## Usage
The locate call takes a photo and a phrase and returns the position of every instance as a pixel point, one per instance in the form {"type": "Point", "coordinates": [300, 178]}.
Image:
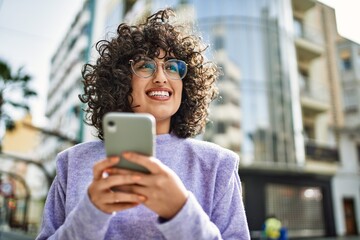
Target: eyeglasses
{"type": "Point", "coordinates": [146, 67]}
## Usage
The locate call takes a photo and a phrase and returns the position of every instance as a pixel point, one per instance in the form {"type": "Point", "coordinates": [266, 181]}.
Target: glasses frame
{"type": "Point", "coordinates": [132, 62]}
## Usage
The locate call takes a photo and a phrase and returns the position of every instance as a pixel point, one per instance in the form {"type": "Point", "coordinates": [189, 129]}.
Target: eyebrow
{"type": "Point", "coordinates": [166, 58]}
{"type": "Point", "coordinates": [169, 57]}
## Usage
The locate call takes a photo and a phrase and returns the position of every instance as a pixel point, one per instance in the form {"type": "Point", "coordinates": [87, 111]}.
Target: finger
{"type": "Point", "coordinates": [113, 208]}
{"type": "Point", "coordinates": [134, 189]}
{"type": "Point", "coordinates": [116, 180]}
{"type": "Point", "coordinates": [121, 171]}
{"type": "Point", "coordinates": [145, 179]}
{"type": "Point", "coordinates": [151, 163]}
{"type": "Point", "coordinates": [114, 197]}
{"type": "Point", "coordinates": [100, 166]}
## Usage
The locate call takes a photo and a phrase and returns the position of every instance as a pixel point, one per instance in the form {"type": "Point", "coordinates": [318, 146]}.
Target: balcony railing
{"type": "Point", "coordinates": [307, 32]}
{"type": "Point", "coordinates": [314, 90]}
{"type": "Point", "coordinates": [321, 152]}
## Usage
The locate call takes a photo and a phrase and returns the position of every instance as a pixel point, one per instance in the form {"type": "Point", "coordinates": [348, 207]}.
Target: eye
{"type": "Point", "coordinates": [172, 67]}
{"type": "Point", "coordinates": [145, 66]}
{"type": "Point", "coordinates": [148, 65]}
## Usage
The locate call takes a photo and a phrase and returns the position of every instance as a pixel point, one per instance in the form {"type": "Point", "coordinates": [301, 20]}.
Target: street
{"type": "Point", "coordinates": [18, 236]}
{"type": "Point", "coordinates": [14, 236]}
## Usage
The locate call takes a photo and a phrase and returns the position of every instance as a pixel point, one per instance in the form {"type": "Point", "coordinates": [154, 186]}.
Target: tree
{"type": "Point", "coordinates": [14, 93]}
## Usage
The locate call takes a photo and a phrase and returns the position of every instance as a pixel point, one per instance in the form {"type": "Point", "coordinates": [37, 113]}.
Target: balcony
{"type": "Point", "coordinates": [321, 158]}
{"type": "Point", "coordinates": [309, 42]}
{"type": "Point", "coordinates": [321, 152]}
{"type": "Point", "coordinates": [313, 96]}
{"type": "Point", "coordinates": [302, 5]}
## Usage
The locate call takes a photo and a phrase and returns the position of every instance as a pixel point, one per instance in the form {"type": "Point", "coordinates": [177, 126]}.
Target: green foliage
{"type": "Point", "coordinates": [13, 84]}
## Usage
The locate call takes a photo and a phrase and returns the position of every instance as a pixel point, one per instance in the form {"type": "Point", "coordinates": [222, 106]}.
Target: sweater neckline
{"type": "Point", "coordinates": [166, 139]}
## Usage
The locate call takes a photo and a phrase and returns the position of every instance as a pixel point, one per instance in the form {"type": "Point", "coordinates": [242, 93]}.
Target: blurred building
{"type": "Point", "coordinates": [349, 63]}
{"type": "Point", "coordinates": [96, 20]}
{"type": "Point", "coordinates": [17, 141]}
{"type": "Point", "coordinates": [63, 109]}
{"type": "Point", "coordinates": [23, 182]}
{"type": "Point", "coordinates": [288, 95]}
{"type": "Point", "coordinates": [281, 105]}
{"type": "Point", "coordinates": [347, 180]}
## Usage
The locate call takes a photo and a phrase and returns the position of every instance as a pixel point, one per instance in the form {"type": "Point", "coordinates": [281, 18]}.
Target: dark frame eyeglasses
{"type": "Point", "coordinates": [145, 67]}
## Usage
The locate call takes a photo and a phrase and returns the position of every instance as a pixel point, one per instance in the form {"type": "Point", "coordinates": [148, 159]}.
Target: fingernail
{"type": "Point", "coordinates": [142, 198]}
{"type": "Point", "coordinates": [105, 174]}
{"type": "Point", "coordinates": [136, 178]}
{"type": "Point", "coordinates": [126, 154]}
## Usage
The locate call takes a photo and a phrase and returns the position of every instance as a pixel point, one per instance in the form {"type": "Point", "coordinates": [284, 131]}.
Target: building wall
{"type": "Point", "coordinates": [27, 179]}
{"type": "Point", "coordinates": [346, 183]}
{"type": "Point", "coordinates": [22, 139]}
{"type": "Point", "coordinates": [251, 43]}
{"type": "Point", "coordinates": [348, 63]}
{"type": "Point", "coordinates": [63, 109]}
{"type": "Point", "coordinates": [333, 76]}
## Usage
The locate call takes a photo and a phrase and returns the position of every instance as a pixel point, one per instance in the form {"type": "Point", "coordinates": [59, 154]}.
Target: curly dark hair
{"type": "Point", "coordinates": [107, 84]}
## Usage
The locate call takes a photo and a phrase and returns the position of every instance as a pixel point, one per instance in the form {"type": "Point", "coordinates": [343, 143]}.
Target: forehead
{"type": "Point", "coordinates": [162, 54]}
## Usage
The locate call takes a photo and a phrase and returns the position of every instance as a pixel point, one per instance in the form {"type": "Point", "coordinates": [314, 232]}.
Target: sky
{"type": "Point", "coordinates": [31, 31]}
{"type": "Point", "coordinates": [347, 17]}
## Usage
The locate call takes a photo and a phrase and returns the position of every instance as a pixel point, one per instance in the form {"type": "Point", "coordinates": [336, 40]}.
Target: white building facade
{"type": "Point", "coordinates": [346, 183]}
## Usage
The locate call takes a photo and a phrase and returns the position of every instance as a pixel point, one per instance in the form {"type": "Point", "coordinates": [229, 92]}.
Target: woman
{"type": "Point", "coordinates": [193, 190]}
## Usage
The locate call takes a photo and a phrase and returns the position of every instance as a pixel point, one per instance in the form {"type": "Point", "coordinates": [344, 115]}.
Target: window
{"type": "Point", "coordinates": [221, 127]}
{"type": "Point", "coordinates": [72, 43]}
{"type": "Point", "coordinates": [298, 27]}
{"type": "Point", "coordinates": [222, 69]}
{"type": "Point", "coordinates": [218, 42]}
{"type": "Point", "coordinates": [128, 5]}
{"type": "Point", "coordinates": [350, 100]}
{"type": "Point", "coordinates": [83, 55]}
{"type": "Point", "coordinates": [85, 30]}
{"type": "Point", "coordinates": [309, 132]}
{"type": "Point", "coordinates": [304, 80]}
{"type": "Point", "coordinates": [346, 63]}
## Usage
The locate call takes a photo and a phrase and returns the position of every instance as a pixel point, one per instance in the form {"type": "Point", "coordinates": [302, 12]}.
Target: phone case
{"type": "Point", "coordinates": [129, 132]}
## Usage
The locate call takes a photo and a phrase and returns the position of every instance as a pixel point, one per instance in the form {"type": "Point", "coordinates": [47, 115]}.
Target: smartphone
{"type": "Point", "coordinates": [133, 132]}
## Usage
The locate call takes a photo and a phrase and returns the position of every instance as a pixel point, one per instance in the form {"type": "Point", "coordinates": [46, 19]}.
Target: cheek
{"type": "Point", "coordinates": [137, 88]}
{"type": "Point", "coordinates": [181, 90]}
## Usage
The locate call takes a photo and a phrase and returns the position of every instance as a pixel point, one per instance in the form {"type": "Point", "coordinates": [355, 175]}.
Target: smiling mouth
{"type": "Point", "coordinates": [159, 94]}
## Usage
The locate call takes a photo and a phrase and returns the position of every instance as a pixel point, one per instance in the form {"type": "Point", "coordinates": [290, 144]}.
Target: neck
{"type": "Point", "coordinates": [162, 127]}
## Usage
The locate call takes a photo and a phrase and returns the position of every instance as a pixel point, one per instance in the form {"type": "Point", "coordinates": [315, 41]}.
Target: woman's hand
{"type": "Point", "coordinates": [165, 193]}
{"type": "Point", "coordinates": [100, 192]}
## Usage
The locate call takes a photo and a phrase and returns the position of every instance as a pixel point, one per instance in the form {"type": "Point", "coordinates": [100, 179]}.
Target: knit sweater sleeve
{"type": "Point", "coordinates": [85, 221]}
{"type": "Point", "coordinates": [229, 214]}
{"type": "Point", "coordinates": [227, 220]}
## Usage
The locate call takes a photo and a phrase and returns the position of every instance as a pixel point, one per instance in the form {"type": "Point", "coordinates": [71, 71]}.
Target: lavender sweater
{"type": "Point", "coordinates": [214, 209]}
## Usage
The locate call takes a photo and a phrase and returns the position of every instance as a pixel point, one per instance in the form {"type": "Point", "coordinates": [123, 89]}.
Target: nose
{"type": "Point", "coordinates": [160, 76]}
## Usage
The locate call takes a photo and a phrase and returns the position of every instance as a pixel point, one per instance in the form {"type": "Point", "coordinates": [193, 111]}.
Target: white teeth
{"type": "Point", "coordinates": [159, 94]}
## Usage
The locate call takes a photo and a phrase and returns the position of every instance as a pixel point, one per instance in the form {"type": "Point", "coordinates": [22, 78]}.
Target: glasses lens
{"type": "Point", "coordinates": [144, 67]}
{"type": "Point", "coordinates": [175, 69]}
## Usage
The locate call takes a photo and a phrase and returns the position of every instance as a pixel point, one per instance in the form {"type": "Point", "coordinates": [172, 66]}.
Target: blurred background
{"type": "Point", "coordinates": [289, 105]}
